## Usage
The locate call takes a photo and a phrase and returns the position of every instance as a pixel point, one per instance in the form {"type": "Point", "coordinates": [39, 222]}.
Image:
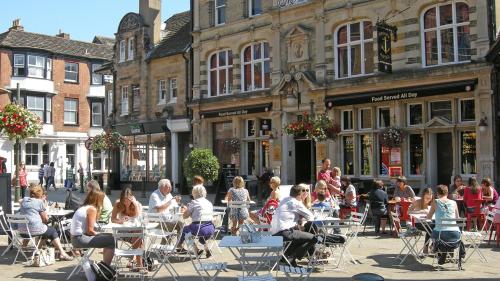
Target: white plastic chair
{"type": "Point", "coordinates": [25, 243]}
{"type": "Point", "coordinates": [123, 249]}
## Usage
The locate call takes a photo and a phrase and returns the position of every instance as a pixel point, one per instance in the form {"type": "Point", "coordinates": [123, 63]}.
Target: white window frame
{"type": "Point", "coordinates": [353, 151]}
{"type": "Point", "coordinates": [18, 65]}
{"type": "Point", "coordinates": [460, 110]}
{"type": "Point", "coordinates": [429, 110]}
{"type": "Point", "coordinates": [360, 121]}
{"type": "Point", "coordinates": [251, 4]}
{"type": "Point", "coordinates": [360, 42]}
{"type": "Point", "coordinates": [71, 111]}
{"type": "Point", "coordinates": [162, 91]}
{"type": "Point", "coordinates": [408, 114]}
{"type": "Point", "coordinates": [71, 71]}
{"type": "Point", "coordinates": [408, 148]}
{"type": "Point", "coordinates": [37, 154]}
{"type": "Point", "coordinates": [48, 71]}
{"type": "Point", "coordinates": [122, 51]}
{"type": "Point", "coordinates": [173, 87]}
{"type": "Point", "coordinates": [97, 114]}
{"type": "Point", "coordinates": [360, 151]}
{"type": "Point", "coordinates": [218, 69]}
{"type": "Point", "coordinates": [39, 66]}
{"type": "Point", "coordinates": [252, 63]}
{"type": "Point", "coordinates": [110, 102]}
{"type": "Point", "coordinates": [125, 93]}
{"type": "Point", "coordinates": [101, 156]}
{"type": "Point", "coordinates": [378, 116]}
{"type": "Point", "coordinates": [48, 110]}
{"type": "Point", "coordinates": [131, 49]}
{"type": "Point", "coordinates": [342, 120]}
{"type": "Point", "coordinates": [216, 9]}
{"type": "Point", "coordinates": [96, 78]}
{"type": "Point", "coordinates": [438, 29]}
{"type": "Point", "coordinates": [33, 105]}
{"type": "Point", "coordinates": [73, 155]}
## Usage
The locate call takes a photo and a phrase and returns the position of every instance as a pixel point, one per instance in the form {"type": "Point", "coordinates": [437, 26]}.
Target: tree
{"type": "Point", "coordinates": [201, 162]}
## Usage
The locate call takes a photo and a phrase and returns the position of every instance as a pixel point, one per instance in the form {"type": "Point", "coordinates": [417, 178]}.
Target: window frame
{"type": "Point", "coordinates": [72, 154]}
{"type": "Point", "coordinates": [121, 50]}
{"type": "Point", "coordinates": [131, 48]}
{"type": "Point", "coordinates": [109, 102]}
{"type": "Point", "coordinates": [408, 114]}
{"type": "Point", "coordinates": [251, 4]}
{"type": "Point", "coordinates": [31, 155]}
{"type": "Point", "coordinates": [216, 14]}
{"type": "Point", "coordinates": [36, 109]}
{"type": "Point", "coordinates": [77, 72]}
{"type": "Point", "coordinates": [48, 68]}
{"type": "Point", "coordinates": [438, 29]}
{"type": "Point", "coordinates": [162, 91]}
{"type": "Point", "coordinates": [361, 42]}
{"type": "Point", "coordinates": [100, 157]}
{"type": "Point", "coordinates": [461, 154]}
{"type": "Point", "coordinates": [360, 120]}
{"type": "Point", "coordinates": [429, 109]}
{"type": "Point", "coordinates": [342, 119]}
{"type": "Point", "coordinates": [342, 149]}
{"type": "Point", "coordinates": [408, 147]}
{"type": "Point", "coordinates": [228, 68]}
{"type": "Point", "coordinates": [76, 112]}
{"type": "Point", "coordinates": [247, 128]}
{"type": "Point", "coordinates": [171, 83]}
{"type": "Point", "coordinates": [262, 60]}
{"type": "Point", "coordinates": [378, 116]}
{"type": "Point", "coordinates": [17, 66]}
{"type": "Point", "coordinates": [92, 114]}
{"type": "Point", "coordinates": [29, 66]}
{"type": "Point", "coordinates": [94, 66]}
{"type": "Point", "coordinates": [360, 151]}
{"type": "Point", "coordinates": [124, 110]}
{"type": "Point", "coordinates": [460, 110]}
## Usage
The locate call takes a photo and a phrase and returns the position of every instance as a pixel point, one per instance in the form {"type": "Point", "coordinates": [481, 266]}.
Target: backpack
{"type": "Point", "coordinates": [103, 272]}
{"type": "Point", "coordinates": [72, 201]}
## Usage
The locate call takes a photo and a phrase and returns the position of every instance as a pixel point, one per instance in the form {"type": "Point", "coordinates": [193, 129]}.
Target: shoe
{"type": "Point", "coordinates": [181, 251]}
{"type": "Point", "coordinates": [65, 258]}
{"type": "Point", "coordinates": [293, 263]}
{"type": "Point", "coordinates": [199, 253]}
{"type": "Point", "coordinates": [208, 254]}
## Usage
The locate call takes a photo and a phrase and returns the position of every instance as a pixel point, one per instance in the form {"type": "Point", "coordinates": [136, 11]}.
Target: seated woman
{"type": "Point", "coordinates": [33, 208]}
{"type": "Point", "coordinates": [195, 209]}
{"type": "Point", "coordinates": [444, 208]}
{"type": "Point", "coordinates": [83, 233]}
{"type": "Point", "coordinates": [238, 193]}
{"type": "Point", "coordinates": [266, 213]}
{"type": "Point", "coordinates": [126, 209]}
{"type": "Point", "coordinates": [489, 192]}
{"type": "Point", "coordinates": [456, 190]}
{"type": "Point", "coordinates": [403, 191]}
{"type": "Point", "coordinates": [320, 186]}
{"type": "Point", "coordinates": [379, 205]}
{"type": "Point", "coordinates": [472, 193]}
{"type": "Point", "coordinates": [422, 205]}
{"type": "Point", "coordinates": [286, 223]}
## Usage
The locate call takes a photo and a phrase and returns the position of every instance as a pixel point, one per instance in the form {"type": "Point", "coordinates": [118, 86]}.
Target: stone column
{"type": "Point", "coordinates": [320, 64]}
{"type": "Point", "coordinates": [276, 52]}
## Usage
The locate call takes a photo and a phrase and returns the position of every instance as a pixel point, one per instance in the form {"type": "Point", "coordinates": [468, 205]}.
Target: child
{"type": "Point", "coordinates": [238, 193]}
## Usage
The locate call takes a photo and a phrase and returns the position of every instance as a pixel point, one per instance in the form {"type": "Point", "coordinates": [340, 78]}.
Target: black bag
{"type": "Point", "coordinates": [103, 272]}
{"type": "Point", "coordinates": [72, 201]}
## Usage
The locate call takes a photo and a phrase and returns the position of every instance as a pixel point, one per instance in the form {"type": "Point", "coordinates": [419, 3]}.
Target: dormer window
{"type": "Point", "coordinates": [122, 51]}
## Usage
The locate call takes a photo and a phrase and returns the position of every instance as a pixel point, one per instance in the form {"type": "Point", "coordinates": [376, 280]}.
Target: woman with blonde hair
{"type": "Point", "coordinates": [322, 187]}
{"type": "Point", "coordinates": [238, 193]}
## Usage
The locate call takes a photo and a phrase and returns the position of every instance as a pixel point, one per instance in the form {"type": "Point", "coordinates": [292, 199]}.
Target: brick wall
{"type": "Point", "coordinates": [5, 73]}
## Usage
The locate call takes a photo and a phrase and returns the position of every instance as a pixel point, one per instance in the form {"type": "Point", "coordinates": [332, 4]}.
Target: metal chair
{"type": "Point", "coordinates": [162, 243]}
{"type": "Point", "coordinates": [25, 242]}
{"type": "Point", "coordinates": [124, 239]}
{"type": "Point", "coordinates": [449, 248]}
{"type": "Point", "coordinates": [5, 229]}
{"type": "Point", "coordinates": [253, 260]}
{"type": "Point", "coordinates": [81, 261]}
{"type": "Point", "coordinates": [409, 237]}
{"type": "Point", "coordinates": [207, 271]}
{"type": "Point", "coordinates": [296, 273]}
{"type": "Point", "coordinates": [474, 239]}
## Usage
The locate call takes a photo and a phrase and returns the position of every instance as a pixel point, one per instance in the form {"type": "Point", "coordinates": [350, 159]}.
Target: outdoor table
{"type": "Point", "coordinates": [223, 201]}
{"type": "Point", "coordinates": [234, 244]}
{"type": "Point", "coordinates": [108, 227]}
{"type": "Point", "coordinates": [59, 216]}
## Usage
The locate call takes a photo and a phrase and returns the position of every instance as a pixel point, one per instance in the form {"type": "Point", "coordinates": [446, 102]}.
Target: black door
{"type": "Point", "coordinates": [303, 158]}
{"type": "Point", "coordinates": [444, 158]}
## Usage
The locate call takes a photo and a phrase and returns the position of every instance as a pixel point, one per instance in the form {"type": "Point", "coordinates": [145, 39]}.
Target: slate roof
{"type": "Point", "coordinates": [177, 38]}
{"type": "Point", "coordinates": [103, 40]}
{"type": "Point", "coordinates": [55, 45]}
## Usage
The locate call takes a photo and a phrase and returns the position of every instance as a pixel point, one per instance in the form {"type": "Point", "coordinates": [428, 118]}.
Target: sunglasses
{"type": "Point", "coordinates": [304, 190]}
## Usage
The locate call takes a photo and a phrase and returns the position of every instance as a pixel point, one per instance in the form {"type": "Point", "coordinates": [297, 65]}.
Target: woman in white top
{"type": "Point", "coordinates": [83, 233]}
{"type": "Point", "coordinates": [198, 209]}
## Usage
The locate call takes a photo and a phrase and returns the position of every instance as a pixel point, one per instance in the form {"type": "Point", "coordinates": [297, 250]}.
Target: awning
{"type": "Point", "coordinates": [237, 111]}
{"type": "Point", "coordinates": [141, 128]}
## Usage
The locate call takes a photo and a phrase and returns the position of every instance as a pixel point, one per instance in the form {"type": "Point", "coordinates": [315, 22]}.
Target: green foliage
{"type": "Point", "coordinates": [108, 140]}
{"type": "Point", "coordinates": [201, 162]}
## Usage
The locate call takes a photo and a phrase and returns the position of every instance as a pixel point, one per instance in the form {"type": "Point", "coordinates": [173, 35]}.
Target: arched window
{"type": "Point", "coordinates": [354, 49]}
{"type": "Point", "coordinates": [256, 67]}
{"type": "Point", "coordinates": [445, 34]}
{"type": "Point", "coordinates": [220, 73]}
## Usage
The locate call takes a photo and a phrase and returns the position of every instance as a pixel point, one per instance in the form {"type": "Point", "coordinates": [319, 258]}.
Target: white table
{"type": "Point", "coordinates": [225, 202]}
{"type": "Point", "coordinates": [110, 226]}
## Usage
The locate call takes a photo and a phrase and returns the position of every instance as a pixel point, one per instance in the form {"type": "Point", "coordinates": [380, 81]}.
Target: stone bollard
{"type": "Point", "coordinates": [367, 277]}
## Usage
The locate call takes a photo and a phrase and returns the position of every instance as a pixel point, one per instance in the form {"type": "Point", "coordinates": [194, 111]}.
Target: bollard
{"type": "Point", "coordinates": [367, 277]}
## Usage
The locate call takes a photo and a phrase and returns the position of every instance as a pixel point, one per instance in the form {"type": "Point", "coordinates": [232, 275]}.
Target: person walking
{"type": "Point", "coordinates": [40, 174]}
{"type": "Point", "coordinates": [23, 182]}
{"type": "Point", "coordinates": [51, 172]}
{"type": "Point", "coordinates": [46, 174]}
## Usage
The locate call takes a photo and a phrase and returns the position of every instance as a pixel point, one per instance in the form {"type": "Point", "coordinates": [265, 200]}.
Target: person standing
{"type": "Point", "coordinates": [51, 172]}
{"type": "Point", "coordinates": [23, 182]}
{"type": "Point", "coordinates": [46, 175]}
{"type": "Point", "coordinates": [326, 175]}
{"type": "Point", "coordinates": [3, 166]}
{"type": "Point", "coordinates": [40, 174]}
{"type": "Point", "coordinates": [81, 174]}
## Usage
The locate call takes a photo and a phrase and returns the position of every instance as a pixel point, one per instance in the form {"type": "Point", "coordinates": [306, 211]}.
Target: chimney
{"type": "Point", "coordinates": [62, 34]}
{"type": "Point", "coordinates": [16, 25]}
{"type": "Point", "coordinates": [150, 10]}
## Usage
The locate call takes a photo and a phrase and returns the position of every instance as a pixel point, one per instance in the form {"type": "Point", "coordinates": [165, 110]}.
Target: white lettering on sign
{"type": "Point", "coordinates": [401, 96]}
{"type": "Point", "coordinates": [288, 3]}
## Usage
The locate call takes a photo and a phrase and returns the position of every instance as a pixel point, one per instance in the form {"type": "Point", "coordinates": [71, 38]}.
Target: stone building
{"type": "Point", "coordinates": [151, 86]}
{"type": "Point", "coordinates": [58, 83]}
{"type": "Point", "coordinates": [259, 65]}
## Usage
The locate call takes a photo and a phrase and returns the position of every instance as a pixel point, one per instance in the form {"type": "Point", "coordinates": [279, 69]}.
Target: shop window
{"type": "Point", "coordinates": [220, 73]}
{"type": "Point", "coordinates": [70, 155]}
{"type": "Point", "coordinates": [416, 153]}
{"type": "Point", "coordinates": [414, 114]}
{"type": "Point", "coordinates": [347, 120]}
{"type": "Point", "coordinates": [467, 110]}
{"type": "Point", "coordinates": [385, 154]}
{"type": "Point", "coordinates": [365, 118]}
{"type": "Point", "coordinates": [445, 34]}
{"type": "Point", "coordinates": [384, 117]}
{"type": "Point", "coordinates": [366, 143]}
{"type": "Point", "coordinates": [354, 49]}
{"type": "Point", "coordinates": [250, 128]}
{"type": "Point", "coordinates": [226, 147]}
{"type": "Point", "coordinates": [468, 152]}
{"type": "Point", "coordinates": [31, 158]}
{"type": "Point", "coordinates": [45, 153]}
{"type": "Point", "coordinates": [256, 67]}
{"type": "Point", "coordinates": [348, 155]}
{"type": "Point", "coordinates": [96, 160]}
{"type": "Point", "coordinates": [441, 109]}
{"type": "Point", "coordinates": [250, 158]}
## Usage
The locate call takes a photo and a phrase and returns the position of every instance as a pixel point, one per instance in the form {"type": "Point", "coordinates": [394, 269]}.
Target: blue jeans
{"type": "Point", "coordinates": [446, 235]}
{"type": "Point", "coordinates": [50, 182]}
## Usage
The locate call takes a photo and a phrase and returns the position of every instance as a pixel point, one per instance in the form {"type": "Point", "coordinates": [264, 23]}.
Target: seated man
{"type": "Point", "coordinates": [162, 201]}
{"type": "Point", "coordinates": [285, 223]}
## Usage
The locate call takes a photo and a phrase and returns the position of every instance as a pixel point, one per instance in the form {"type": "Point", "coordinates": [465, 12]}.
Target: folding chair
{"type": "Point", "coordinates": [326, 251]}
{"type": "Point", "coordinates": [449, 248]}
{"type": "Point", "coordinates": [208, 271]}
{"type": "Point", "coordinates": [296, 273]}
{"type": "Point", "coordinates": [474, 239]}
{"type": "Point", "coordinates": [81, 261]}
{"type": "Point", "coordinates": [410, 238]}
{"type": "Point", "coordinates": [26, 242]}
{"type": "Point", "coordinates": [5, 228]}
{"type": "Point", "coordinates": [123, 249]}
{"type": "Point", "coordinates": [162, 243]}
{"type": "Point", "coordinates": [218, 221]}
{"type": "Point", "coordinates": [253, 260]}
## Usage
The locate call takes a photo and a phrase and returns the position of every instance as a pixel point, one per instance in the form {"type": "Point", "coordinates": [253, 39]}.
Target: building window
{"type": "Point", "coordinates": [48, 72]}
{"type": "Point", "coordinates": [36, 66]}
{"type": "Point", "coordinates": [71, 111]}
{"type": "Point", "coordinates": [446, 34]}
{"type": "Point", "coordinates": [31, 154]}
{"type": "Point", "coordinates": [220, 73]}
{"type": "Point", "coordinates": [48, 110]}
{"type": "Point", "coordinates": [110, 102]}
{"type": "Point", "coordinates": [384, 117]}
{"type": "Point", "coordinates": [354, 49]}
{"type": "Point", "coordinates": [365, 118]}
{"type": "Point", "coordinates": [441, 109]}
{"type": "Point", "coordinates": [385, 154]}
{"type": "Point", "coordinates": [96, 160]}
{"type": "Point", "coordinates": [45, 153]}
{"type": "Point", "coordinates": [162, 90]}
{"type": "Point", "coordinates": [70, 155]}
{"type": "Point", "coordinates": [467, 110]}
{"type": "Point", "coordinates": [250, 147]}
{"type": "Point", "coordinates": [416, 143]}
{"type": "Point", "coordinates": [136, 98]}
{"type": "Point", "coordinates": [250, 128]}
{"type": "Point", "coordinates": [220, 12]}
{"type": "Point", "coordinates": [414, 114]}
{"type": "Point", "coordinates": [254, 7]}
{"type": "Point", "coordinates": [173, 89]}
{"type": "Point", "coordinates": [468, 152]}
{"type": "Point", "coordinates": [36, 105]}
{"type": "Point", "coordinates": [122, 51]}
{"type": "Point", "coordinates": [365, 142]}
{"type": "Point", "coordinates": [124, 100]}
{"type": "Point", "coordinates": [348, 154]}
{"type": "Point", "coordinates": [19, 65]}
{"type": "Point", "coordinates": [131, 48]}
{"type": "Point", "coordinates": [347, 120]}
{"type": "Point", "coordinates": [97, 114]}
{"type": "Point", "coordinates": [96, 77]}
{"type": "Point", "coordinates": [256, 67]}
{"type": "Point", "coordinates": [71, 72]}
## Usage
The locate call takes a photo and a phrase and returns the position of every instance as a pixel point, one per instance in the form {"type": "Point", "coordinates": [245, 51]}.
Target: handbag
{"type": "Point", "coordinates": [44, 257]}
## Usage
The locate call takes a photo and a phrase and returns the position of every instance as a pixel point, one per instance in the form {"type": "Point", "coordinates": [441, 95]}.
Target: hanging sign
{"type": "Point", "coordinates": [385, 33]}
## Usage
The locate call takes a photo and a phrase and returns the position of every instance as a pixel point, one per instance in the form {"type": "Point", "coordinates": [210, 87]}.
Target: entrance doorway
{"type": "Point", "coordinates": [303, 160]}
{"type": "Point", "coordinates": [440, 158]}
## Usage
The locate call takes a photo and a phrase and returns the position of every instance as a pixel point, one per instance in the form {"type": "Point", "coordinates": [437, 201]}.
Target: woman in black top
{"type": "Point", "coordinates": [378, 203]}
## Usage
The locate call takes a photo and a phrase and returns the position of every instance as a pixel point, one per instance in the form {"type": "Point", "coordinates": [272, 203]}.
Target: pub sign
{"type": "Point", "coordinates": [385, 34]}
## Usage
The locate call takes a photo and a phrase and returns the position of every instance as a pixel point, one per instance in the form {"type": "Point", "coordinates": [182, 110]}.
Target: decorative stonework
{"type": "Point", "coordinates": [129, 22]}
{"type": "Point", "coordinates": [297, 41]}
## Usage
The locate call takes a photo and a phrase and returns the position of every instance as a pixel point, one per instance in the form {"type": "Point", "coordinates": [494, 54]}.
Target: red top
{"type": "Point", "coordinates": [325, 175]}
{"type": "Point", "coordinates": [469, 197]}
{"type": "Point", "coordinates": [22, 178]}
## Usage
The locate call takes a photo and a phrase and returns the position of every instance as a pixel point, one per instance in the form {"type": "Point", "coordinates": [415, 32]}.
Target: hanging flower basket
{"type": "Point", "coordinates": [19, 123]}
{"type": "Point", "coordinates": [233, 145]}
{"type": "Point", "coordinates": [392, 136]}
{"type": "Point", "coordinates": [320, 128]}
{"type": "Point", "coordinates": [109, 140]}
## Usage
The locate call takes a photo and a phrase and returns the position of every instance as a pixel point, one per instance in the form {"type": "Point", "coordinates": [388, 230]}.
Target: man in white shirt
{"type": "Point", "coordinates": [162, 201]}
{"type": "Point", "coordinates": [285, 223]}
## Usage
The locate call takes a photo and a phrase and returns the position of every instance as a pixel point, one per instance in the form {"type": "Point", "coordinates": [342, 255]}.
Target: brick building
{"type": "Point", "coordinates": [258, 65]}
{"type": "Point", "coordinates": [57, 81]}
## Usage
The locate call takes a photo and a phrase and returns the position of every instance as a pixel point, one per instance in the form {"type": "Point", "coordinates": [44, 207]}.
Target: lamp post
{"type": "Point", "coordinates": [313, 158]}
{"type": "Point", "coordinates": [17, 192]}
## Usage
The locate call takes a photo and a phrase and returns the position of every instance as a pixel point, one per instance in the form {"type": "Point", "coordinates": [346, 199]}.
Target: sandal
{"type": "Point", "coordinates": [65, 258]}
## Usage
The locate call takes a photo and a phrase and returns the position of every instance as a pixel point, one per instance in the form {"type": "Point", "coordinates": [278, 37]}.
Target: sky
{"type": "Point", "coordinates": [82, 19]}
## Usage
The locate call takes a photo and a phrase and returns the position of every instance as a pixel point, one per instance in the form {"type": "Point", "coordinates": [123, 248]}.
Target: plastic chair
{"type": "Point", "coordinates": [494, 226]}
{"type": "Point", "coordinates": [477, 214]}
{"type": "Point", "coordinates": [403, 211]}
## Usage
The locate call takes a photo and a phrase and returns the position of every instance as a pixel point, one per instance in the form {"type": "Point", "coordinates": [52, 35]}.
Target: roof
{"type": "Point", "coordinates": [103, 40]}
{"type": "Point", "coordinates": [54, 44]}
{"type": "Point", "coordinates": [178, 36]}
